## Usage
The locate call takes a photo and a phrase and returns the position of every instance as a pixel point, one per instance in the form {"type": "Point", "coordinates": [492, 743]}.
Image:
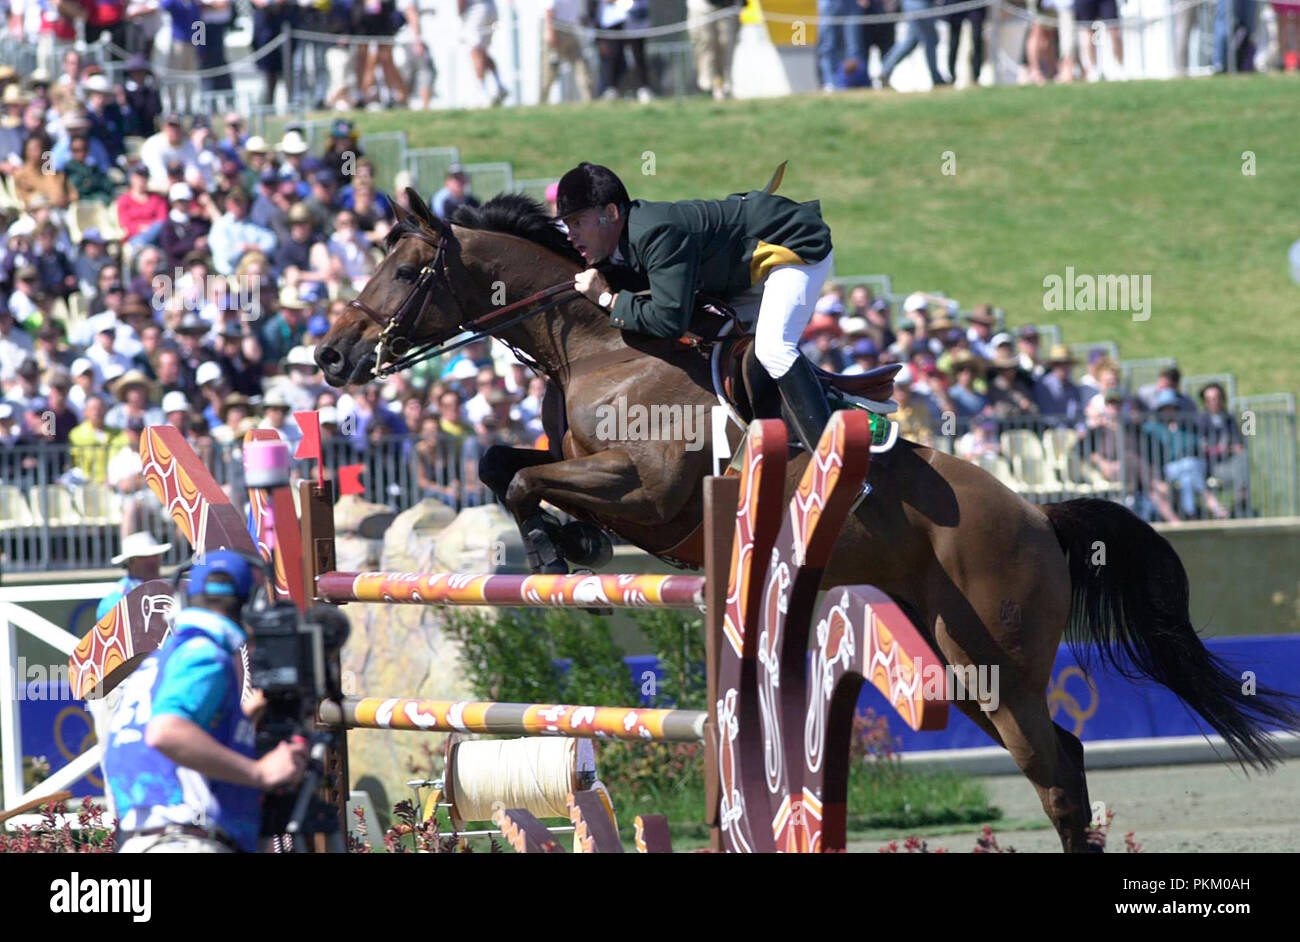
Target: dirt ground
{"type": "Point", "coordinates": [1171, 809]}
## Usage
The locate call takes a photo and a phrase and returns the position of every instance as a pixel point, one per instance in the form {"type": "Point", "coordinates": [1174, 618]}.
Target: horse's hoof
{"type": "Point", "coordinates": [543, 559]}
{"type": "Point", "coordinates": [585, 544]}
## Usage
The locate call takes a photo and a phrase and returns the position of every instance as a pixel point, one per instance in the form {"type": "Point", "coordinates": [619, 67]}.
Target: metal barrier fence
{"type": "Point", "coordinates": [428, 167]}
{"type": "Point", "coordinates": [1138, 373]}
{"type": "Point", "coordinates": [58, 512]}
{"type": "Point", "coordinates": [486, 180]}
{"type": "Point", "coordinates": [387, 151]}
{"type": "Point", "coordinates": [1082, 350]}
{"type": "Point", "coordinates": [1186, 466]}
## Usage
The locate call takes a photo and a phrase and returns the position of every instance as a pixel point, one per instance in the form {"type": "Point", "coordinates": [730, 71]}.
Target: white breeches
{"type": "Point", "coordinates": [788, 296]}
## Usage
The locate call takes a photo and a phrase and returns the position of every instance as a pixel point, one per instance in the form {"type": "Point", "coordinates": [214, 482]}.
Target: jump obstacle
{"type": "Point", "coordinates": [783, 673]}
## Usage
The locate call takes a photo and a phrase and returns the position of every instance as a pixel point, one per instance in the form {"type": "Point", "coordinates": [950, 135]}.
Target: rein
{"type": "Point", "coordinates": [395, 329]}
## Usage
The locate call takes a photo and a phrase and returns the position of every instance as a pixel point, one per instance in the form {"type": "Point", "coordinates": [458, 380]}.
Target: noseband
{"type": "Point", "coordinates": [396, 330]}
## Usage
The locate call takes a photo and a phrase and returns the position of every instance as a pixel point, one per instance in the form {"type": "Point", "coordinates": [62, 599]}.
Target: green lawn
{"type": "Point", "coordinates": [1139, 177]}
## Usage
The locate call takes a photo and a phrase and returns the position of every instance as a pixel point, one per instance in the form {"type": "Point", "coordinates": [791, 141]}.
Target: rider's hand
{"type": "Point", "coordinates": [283, 765]}
{"type": "Point", "coordinates": [591, 284]}
{"type": "Point", "coordinates": [253, 705]}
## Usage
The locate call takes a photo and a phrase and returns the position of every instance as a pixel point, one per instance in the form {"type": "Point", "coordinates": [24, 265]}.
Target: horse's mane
{"type": "Point", "coordinates": [518, 215]}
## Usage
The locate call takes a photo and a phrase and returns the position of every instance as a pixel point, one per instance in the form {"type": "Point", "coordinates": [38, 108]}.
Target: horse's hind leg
{"type": "Point", "coordinates": [1052, 759]}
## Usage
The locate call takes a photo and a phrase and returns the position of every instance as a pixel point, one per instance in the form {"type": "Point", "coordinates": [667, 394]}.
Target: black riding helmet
{"type": "Point", "coordinates": [589, 186]}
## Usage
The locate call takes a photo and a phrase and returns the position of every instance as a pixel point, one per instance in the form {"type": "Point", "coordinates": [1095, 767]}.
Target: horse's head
{"type": "Point", "coordinates": [414, 297]}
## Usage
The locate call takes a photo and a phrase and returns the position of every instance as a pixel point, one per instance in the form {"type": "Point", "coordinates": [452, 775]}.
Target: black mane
{"type": "Point", "coordinates": [518, 215]}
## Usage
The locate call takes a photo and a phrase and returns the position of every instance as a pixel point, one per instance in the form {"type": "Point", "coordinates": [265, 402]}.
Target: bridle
{"type": "Point", "coordinates": [396, 330]}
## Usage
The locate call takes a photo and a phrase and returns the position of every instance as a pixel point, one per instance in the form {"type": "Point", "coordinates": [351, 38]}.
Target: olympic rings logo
{"type": "Point", "coordinates": [1059, 697]}
{"type": "Point", "coordinates": [87, 739]}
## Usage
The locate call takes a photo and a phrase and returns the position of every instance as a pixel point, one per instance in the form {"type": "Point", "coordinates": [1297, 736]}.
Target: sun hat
{"type": "Point", "coordinates": [139, 545]}
{"type": "Point", "coordinates": [915, 302]}
{"type": "Point", "coordinates": [207, 372]}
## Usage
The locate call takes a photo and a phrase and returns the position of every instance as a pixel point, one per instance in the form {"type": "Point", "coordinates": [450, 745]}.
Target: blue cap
{"type": "Point", "coordinates": [319, 325]}
{"type": "Point", "coordinates": [1167, 397]}
{"type": "Point", "coordinates": [866, 347]}
{"type": "Point", "coordinates": [231, 564]}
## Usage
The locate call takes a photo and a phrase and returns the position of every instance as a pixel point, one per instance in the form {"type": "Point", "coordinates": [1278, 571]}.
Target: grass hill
{"type": "Point", "coordinates": [1133, 178]}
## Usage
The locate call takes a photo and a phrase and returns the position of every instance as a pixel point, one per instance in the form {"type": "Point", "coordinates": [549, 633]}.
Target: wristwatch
{"type": "Point", "coordinates": [606, 300]}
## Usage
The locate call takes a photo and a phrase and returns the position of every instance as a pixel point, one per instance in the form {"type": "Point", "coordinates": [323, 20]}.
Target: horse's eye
{"type": "Point", "coordinates": [407, 272]}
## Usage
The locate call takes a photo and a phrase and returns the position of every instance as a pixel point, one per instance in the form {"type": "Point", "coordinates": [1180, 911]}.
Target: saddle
{"type": "Point", "coordinates": [752, 393]}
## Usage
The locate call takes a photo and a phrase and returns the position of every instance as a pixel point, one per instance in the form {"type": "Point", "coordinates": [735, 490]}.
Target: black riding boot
{"type": "Point", "coordinates": [806, 408]}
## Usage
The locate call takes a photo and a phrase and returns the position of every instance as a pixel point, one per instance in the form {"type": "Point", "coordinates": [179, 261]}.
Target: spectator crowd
{"type": "Point", "coordinates": [972, 388]}
{"type": "Point", "coordinates": [160, 269]}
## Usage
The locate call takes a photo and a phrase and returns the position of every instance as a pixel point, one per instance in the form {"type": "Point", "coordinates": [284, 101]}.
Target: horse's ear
{"type": "Point", "coordinates": [421, 210]}
{"type": "Point", "coordinates": [399, 213]}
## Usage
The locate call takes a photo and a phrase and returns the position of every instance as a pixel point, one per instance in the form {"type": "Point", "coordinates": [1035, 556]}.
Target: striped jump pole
{"type": "Point", "coordinates": [456, 588]}
{"type": "Point", "coordinates": [514, 719]}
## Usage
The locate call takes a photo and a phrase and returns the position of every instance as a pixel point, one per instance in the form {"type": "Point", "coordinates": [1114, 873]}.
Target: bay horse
{"type": "Point", "coordinates": [989, 577]}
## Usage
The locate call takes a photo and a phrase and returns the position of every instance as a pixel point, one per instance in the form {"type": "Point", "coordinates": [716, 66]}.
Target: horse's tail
{"type": "Point", "coordinates": [1129, 595]}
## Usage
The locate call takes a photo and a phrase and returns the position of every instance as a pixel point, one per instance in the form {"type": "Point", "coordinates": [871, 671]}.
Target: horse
{"type": "Point", "coordinates": [989, 577]}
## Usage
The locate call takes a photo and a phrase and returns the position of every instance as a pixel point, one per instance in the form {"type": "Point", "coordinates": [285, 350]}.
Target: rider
{"type": "Point", "coordinates": [751, 249]}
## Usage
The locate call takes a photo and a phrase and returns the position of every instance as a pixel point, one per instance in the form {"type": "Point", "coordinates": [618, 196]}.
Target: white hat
{"type": "Point", "coordinates": [136, 545]}
{"type": "Point", "coordinates": [999, 339]}
{"type": "Point", "coordinates": [855, 325]}
{"type": "Point", "coordinates": [828, 304]}
{"type": "Point", "coordinates": [96, 83]}
{"type": "Point", "coordinates": [904, 375]}
{"type": "Point", "coordinates": [256, 145]}
{"type": "Point", "coordinates": [6, 411]}
{"type": "Point", "coordinates": [464, 369]}
{"type": "Point", "coordinates": [81, 365]}
{"type": "Point", "coordinates": [175, 401]}
{"type": "Point", "coordinates": [275, 398]}
{"type": "Point", "coordinates": [180, 191]}
{"type": "Point", "coordinates": [915, 302]}
{"type": "Point", "coordinates": [206, 373]}
{"type": "Point", "coordinates": [289, 297]}
{"type": "Point", "coordinates": [112, 371]}
{"type": "Point", "coordinates": [329, 416]}
{"type": "Point", "coordinates": [292, 144]}
{"type": "Point", "coordinates": [301, 356]}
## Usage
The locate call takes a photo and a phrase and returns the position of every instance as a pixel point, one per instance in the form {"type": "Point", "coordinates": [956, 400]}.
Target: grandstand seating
{"type": "Point", "coordinates": [14, 510]}
{"type": "Point", "coordinates": [52, 505]}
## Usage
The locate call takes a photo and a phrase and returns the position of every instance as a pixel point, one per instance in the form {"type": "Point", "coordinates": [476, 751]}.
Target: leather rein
{"type": "Point", "coordinates": [396, 330]}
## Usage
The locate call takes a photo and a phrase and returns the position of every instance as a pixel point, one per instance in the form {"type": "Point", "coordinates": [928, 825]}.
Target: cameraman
{"type": "Point", "coordinates": [180, 756]}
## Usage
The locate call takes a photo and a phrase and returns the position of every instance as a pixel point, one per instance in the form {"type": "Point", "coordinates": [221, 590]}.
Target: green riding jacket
{"type": "Point", "coordinates": [718, 247]}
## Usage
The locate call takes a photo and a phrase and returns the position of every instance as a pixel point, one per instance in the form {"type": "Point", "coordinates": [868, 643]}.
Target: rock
{"type": "Point", "coordinates": [350, 511]}
{"type": "Point", "coordinates": [481, 539]}
{"type": "Point", "coordinates": [401, 650]}
{"type": "Point", "coordinates": [411, 539]}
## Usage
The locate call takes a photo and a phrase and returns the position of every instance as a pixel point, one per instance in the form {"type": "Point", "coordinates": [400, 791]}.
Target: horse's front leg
{"type": "Point", "coordinates": [497, 469]}
{"type": "Point", "coordinates": [606, 485]}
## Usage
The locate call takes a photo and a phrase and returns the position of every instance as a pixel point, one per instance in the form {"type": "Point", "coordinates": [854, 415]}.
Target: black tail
{"type": "Point", "coordinates": [1129, 595]}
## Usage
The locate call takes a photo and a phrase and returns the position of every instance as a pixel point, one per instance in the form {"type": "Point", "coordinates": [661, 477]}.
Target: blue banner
{"type": "Point", "coordinates": [60, 730]}
{"type": "Point", "coordinates": [1100, 703]}
{"type": "Point", "coordinates": [1096, 704]}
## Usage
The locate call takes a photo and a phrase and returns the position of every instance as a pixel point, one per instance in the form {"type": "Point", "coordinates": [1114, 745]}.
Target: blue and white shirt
{"type": "Point", "coordinates": [191, 676]}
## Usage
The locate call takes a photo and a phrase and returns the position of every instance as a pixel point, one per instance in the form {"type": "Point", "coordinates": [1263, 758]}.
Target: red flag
{"type": "Point", "coordinates": [350, 479]}
{"type": "Point", "coordinates": [309, 447]}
